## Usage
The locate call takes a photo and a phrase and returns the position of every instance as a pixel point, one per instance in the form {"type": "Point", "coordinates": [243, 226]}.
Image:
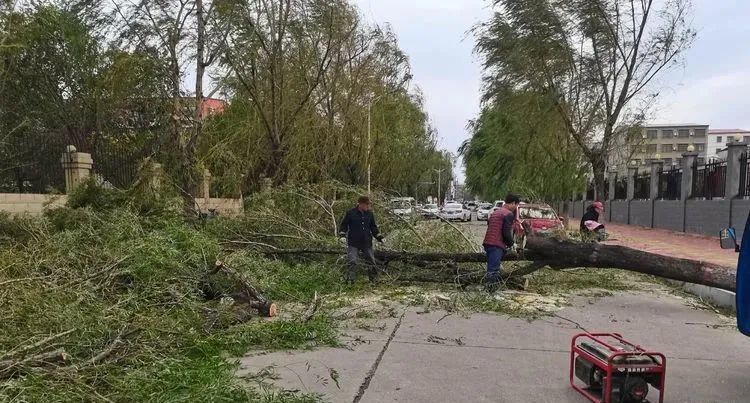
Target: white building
{"type": "Point", "coordinates": [717, 140]}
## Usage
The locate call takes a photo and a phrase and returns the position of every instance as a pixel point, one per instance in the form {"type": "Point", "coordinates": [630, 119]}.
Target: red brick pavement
{"type": "Point", "coordinates": [670, 243]}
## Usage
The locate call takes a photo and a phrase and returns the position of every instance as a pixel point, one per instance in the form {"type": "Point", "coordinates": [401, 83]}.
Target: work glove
{"type": "Point", "coordinates": [380, 238]}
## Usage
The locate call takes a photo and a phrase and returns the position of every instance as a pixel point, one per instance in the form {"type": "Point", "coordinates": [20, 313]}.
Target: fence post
{"type": "Point", "coordinates": [206, 185]}
{"type": "Point", "coordinates": [732, 183]}
{"type": "Point", "coordinates": [77, 167]}
{"type": "Point", "coordinates": [686, 187]}
{"type": "Point", "coordinates": [612, 179]}
{"type": "Point", "coordinates": [656, 168]}
{"type": "Point", "coordinates": [632, 171]}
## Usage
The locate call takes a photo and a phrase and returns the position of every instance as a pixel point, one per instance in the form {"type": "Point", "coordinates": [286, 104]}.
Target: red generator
{"type": "Point", "coordinates": [606, 368]}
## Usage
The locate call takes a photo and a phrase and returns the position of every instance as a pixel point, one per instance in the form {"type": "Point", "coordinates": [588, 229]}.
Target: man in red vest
{"type": "Point", "coordinates": [499, 238]}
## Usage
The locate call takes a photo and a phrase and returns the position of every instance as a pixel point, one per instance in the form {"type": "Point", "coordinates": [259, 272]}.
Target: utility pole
{"type": "Point", "coordinates": [369, 146]}
{"type": "Point", "coordinates": [439, 171]}
{"type": "Point", "coordinates": [421, 183]}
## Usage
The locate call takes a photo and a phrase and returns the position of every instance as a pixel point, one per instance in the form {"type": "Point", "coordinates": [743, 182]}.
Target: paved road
{"type": "Point", "coordinates": [428, 357]}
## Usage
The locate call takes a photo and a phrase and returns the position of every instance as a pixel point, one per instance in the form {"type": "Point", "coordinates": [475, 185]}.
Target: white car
{"type": "Point", "coordinates": [455, 211]}
{"type": "Point", "coordinates": [430, 211]}
{"type": "Point", "coordinates": [401, 207]}
{"type": "Point", "coordinates": [483, 211]}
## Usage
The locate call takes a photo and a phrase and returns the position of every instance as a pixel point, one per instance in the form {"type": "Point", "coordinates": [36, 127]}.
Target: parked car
{"type": "Point", "coordinates": [472, 205]}
{"type": "Point", "coordinates": [496, 206]}
{"type": "Point", "coordinates": [430, 211]}
{"type": "Point", "coordinates": [455, 211]}
{"type": "Point", "coordinates": [539, 218]}
{"type": "Point", "coordinates": [483, 211]}
{"type": "Point", "coordinates": [402, 206]}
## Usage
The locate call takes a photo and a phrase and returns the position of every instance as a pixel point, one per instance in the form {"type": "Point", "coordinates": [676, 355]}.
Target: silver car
{"type": "Point", "coordinates": [455, 211]}
{"type": "Point", "coordinates": [483, 211]}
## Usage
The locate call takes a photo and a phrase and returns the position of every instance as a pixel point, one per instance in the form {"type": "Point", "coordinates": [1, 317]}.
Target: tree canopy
{"type": "Point", "coordinates": [304, 81]}
{"type": "Point", "coordinates": [595, 62]}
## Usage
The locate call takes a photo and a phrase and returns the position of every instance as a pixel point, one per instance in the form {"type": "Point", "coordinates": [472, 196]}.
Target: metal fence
{"type": "Point", "coordinates": [118, 164]}
{"type": "Point", "coordinates": [31, 164]}
{"type": "Point", "coordinates": [670, 184]}
{"type": "Point", "coordinates": [744, 190]}
{"type": "Point", "coordinates": [621, 188]}
{"type": "Point", "coordinates": [642, 184]}
{"type": "Point", "coordinates": [709, 180]}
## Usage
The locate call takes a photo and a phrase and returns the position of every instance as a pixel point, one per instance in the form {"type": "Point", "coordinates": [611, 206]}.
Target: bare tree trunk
{"type": "Point", "coordinates": [598, 166]}
{"type": "Point", "coordinates": [190, 184]}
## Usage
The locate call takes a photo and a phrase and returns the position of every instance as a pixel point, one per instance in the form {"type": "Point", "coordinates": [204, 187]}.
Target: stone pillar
{"type": "Point", "coordinates": [732, 184]}
{"type": "Point", "coordinates": [156, 174]}
{"type": "Point", "coordinates": [632, 170]}
{"type": "Point", "coordinates": [686, 187]}
{"type": "Point", "coordinates": [205, 189]}
{"type": "Point", "coordinates": [656, 168]}
{"type": "Point", "coordinates": [77, 167]}
{"type": "Point", "coordinates": [612, 179]}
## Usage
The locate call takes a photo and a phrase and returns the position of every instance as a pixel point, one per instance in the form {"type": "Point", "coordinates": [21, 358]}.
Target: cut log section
{"type": "Point", "coordinates": [256, 300]}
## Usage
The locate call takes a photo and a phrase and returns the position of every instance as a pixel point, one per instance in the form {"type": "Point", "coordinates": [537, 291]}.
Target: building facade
{"type": "Point", "coordinates": [666, 142]}
{"type": "Point", "coordinates": [716, 142]}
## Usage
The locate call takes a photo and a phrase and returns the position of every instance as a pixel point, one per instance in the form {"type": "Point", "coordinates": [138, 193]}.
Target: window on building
{"type": "Point", "coordinates": [667, 148]}
{"type": "Point", "coordinates": [667, 133]}
{"type": "Point", "coordinates": [746, 139]}
{"type": "Point", "coordinates": [651, 148]}
{"type": "Point", "coordinates": [652, 133]}
{"type": "Point", "coordinates": [682, 147]}
{"type": "Point", "coordinates": [700, 147]}
{"type": "Point", "coordinates": [701, 160]}
{"type": "Point", "coordinates": [718, 139]}
{"type": "Point", "coordinates": [678, 161]}
{"type": "Point", "coordinates": [683, 133]}
{"type": "Point", "coordinates": [700, 132]}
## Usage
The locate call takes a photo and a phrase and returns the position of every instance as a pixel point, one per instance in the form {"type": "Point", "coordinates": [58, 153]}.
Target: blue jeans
{"type": "Point", "coordinates": [495, 256]}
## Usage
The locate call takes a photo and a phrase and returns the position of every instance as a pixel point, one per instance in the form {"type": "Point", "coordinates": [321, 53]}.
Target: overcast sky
{"type": "Point", "coordinates": [712, 88]}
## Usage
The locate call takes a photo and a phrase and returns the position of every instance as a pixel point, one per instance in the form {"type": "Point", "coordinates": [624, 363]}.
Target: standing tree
{"type": "Point", "coordinates": [595, 60]}
{"type": "Point", "coordinates": [180, 32]}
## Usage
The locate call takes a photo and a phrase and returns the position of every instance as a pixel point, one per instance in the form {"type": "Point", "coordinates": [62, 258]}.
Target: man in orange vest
{"type": "Point", "coordinates": [499, 238]}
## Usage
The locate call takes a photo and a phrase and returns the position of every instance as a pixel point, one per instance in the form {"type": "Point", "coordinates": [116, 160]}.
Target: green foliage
{"type": "Point", "coordinates": [113, 271]}
{"type": "Point", "coordinates": [595, 83]}
{"type": "Point", "coordinates": [301, 113]}
{"type": "Point", "coordinates": [520, 145]}
{"type": "Point", "coordinates": [144, 197]}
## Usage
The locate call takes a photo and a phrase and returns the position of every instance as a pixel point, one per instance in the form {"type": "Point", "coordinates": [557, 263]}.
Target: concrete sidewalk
{"type": "Point", "coordinates": [430, 357]}
{"type": "Point", "coordinates": [670, 243]}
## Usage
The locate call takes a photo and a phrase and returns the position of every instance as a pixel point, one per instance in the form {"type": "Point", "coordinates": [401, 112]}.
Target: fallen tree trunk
{"type": "Point", "coordinates": [558, 253]}
{"type": "Point", "coordinates": [564, 253]}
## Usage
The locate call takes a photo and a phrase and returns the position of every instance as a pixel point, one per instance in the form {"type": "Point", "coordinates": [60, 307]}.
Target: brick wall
{"type": "Point", "coordinates": [640, 213]}
{"type": "Point", "coordinates": [706, 217]}
{"type": "Point", "coordinates": [669, 214]}
{"type": "Point", "coordinates": [20, 203]}
{"type": "Point", "coordinates": [226, 207]}
{"type": "Point", "coordinates": [740, 210]}
{"type": "Point", "coordinates": [619, 211]}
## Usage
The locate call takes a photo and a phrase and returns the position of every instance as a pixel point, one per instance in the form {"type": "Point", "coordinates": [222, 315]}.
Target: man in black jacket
{"type": "Point", "coordinates": [359, 228]}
